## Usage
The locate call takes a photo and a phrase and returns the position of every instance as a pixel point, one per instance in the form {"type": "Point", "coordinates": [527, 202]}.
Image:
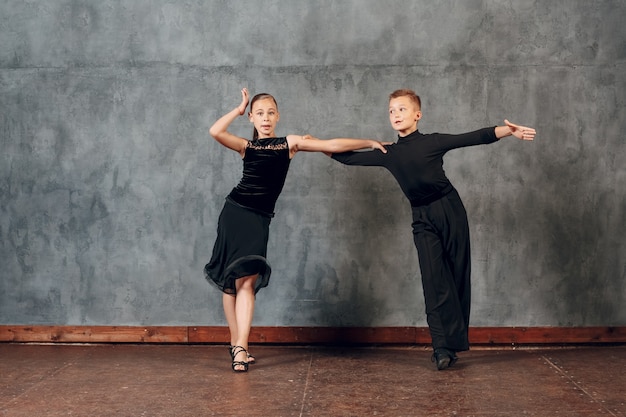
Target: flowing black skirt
{"type": "Point", "coordinates": [240, 249]}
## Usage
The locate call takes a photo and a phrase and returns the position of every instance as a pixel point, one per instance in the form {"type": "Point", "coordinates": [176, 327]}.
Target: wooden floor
{"type": "Point", "coordinates": [196, 380]}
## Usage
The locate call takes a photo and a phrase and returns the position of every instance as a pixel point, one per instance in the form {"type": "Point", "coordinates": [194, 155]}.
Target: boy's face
{"type": "Point", "coordinates": [403, 115]}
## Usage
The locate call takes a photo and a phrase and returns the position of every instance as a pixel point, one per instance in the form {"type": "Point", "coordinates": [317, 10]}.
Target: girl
{"type": "Point", "coordinates": [238, 265]}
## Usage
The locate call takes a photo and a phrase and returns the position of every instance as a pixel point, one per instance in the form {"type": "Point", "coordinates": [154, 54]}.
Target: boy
{"type": "Point", "coordinates": [440, 227]}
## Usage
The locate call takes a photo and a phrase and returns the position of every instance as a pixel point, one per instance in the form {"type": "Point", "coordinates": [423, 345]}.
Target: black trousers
{"type": "Point", "coordinates": [441, 235]}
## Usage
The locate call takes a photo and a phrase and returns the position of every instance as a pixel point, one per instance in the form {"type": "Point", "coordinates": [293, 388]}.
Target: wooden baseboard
{"type": "Point", "coordinates": [307, 335]}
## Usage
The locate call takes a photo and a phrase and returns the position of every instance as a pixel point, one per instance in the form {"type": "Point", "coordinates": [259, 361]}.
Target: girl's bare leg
{"type": "Point", "coordinates": [244, 311]}
{"type": "Point", "coordinates": [231, 318]}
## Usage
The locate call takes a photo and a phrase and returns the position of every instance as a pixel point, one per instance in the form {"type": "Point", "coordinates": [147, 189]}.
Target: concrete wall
{"type": "Point", "coordinates": [110, 186]}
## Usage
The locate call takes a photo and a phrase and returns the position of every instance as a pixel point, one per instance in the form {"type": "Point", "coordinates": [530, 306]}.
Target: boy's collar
{"type": "Point", "coordinates": [410, 135]}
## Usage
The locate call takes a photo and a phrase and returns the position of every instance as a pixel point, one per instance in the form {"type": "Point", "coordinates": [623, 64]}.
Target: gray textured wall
{"type": "Point", "coordinates": [110, 186]}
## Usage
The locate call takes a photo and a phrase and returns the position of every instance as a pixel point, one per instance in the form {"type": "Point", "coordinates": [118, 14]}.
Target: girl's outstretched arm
{"type": "Point", "coordinates": [520, 132]}
{"type": "Point", "coordinates": [219, 129]}
{"type": "Point", "coordinates": [309, 143]}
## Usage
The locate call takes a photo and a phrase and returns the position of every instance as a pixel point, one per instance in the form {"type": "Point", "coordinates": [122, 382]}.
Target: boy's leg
{"type": "Point", "coordinates": [444, 309]}
{"type": "Point", "coordinates": [457, 244]}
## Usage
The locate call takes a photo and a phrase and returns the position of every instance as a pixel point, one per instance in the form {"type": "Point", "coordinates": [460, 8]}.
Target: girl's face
{"type": "Point", "coordinates": [403, 115]}
{"type": "Point", "coordinates": [264, 116]}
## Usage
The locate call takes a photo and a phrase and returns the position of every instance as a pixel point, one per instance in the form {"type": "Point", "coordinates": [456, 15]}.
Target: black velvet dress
{"type": "Point", "coordinates": [243, 229]}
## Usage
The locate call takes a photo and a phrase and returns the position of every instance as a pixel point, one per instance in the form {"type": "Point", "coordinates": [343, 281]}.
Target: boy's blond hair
{"type": "Point", "coordinates": [405, 92]}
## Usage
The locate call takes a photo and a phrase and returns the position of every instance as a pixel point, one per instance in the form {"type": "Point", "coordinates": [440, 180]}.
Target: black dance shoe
{"type": "Point", "coordinates": [444, 358]}
{"type": "Point", "coordinates": [251, 359]}
{"type": "Point", "coordinates": [239, 366]}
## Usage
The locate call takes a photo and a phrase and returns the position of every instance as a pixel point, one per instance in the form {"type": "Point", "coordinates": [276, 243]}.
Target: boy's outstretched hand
{"type": "Point", "coordinates": [521, 132]}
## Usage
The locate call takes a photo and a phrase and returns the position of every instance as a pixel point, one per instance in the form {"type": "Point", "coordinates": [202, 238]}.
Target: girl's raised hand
{"type": "Point", "coordinates": [521, 132]}
{"type": "Point", "coordinates": [244, 101]}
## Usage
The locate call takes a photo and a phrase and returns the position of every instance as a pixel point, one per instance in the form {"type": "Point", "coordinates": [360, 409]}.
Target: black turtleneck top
{"type": "Point", "coordinates": [416, 161]}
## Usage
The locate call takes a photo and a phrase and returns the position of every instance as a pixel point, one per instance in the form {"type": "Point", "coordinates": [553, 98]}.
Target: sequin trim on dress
{"type": "Point", "coordinates": [270, 147]}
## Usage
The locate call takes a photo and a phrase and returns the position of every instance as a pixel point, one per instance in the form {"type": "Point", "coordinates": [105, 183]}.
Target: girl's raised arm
{"type": "Point", "coordinates": [219, 129]}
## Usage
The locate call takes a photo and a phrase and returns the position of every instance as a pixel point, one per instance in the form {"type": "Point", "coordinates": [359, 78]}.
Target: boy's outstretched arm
{"type": "Point", "coordinates": [520, 132]}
